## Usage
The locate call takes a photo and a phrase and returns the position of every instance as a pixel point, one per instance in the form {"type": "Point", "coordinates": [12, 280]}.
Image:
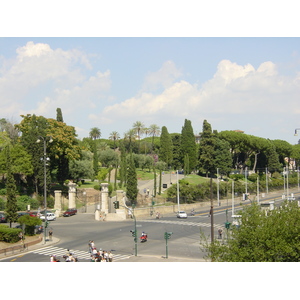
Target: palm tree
{"type": "Point", "coordinates": [154, 131]}
{"type": "Point", "coordinates": [114, 136]}
{"type": "Point", "coordinates": [138, 127]}
{"type": "Point", "coordinates": [130, 136]}
{"type": "Point", "coordinates": [95, 133]}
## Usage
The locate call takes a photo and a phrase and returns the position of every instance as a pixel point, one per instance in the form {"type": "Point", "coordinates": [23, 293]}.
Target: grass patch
{"type": "Point", "coordinates": [196, 179]}
{"type": "Point", "coordinates": [144, 175]}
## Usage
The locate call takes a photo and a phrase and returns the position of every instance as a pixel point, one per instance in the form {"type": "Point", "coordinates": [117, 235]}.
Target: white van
{"type": "Point", "coordinates": [50, 217]}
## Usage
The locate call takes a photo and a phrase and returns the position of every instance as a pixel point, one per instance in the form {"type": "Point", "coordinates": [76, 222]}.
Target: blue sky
{"type": "Point", "coordinates": [250, 84]}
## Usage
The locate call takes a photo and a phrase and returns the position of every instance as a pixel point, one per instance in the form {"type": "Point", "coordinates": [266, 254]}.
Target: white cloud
{"type": "Point", "coordinates": [58, 76]}
{"type": "Point", "coordinates": [234, 89]}
{"type": "Point", "coordinates": [164, 77]}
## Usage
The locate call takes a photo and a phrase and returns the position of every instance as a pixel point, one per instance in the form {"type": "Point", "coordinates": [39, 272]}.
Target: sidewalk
{"type": "Point", "coordinates": [10, 252]}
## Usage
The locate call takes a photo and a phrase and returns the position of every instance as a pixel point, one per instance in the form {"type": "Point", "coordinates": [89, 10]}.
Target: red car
{"type": "Point", "coordinates": [70, 212]}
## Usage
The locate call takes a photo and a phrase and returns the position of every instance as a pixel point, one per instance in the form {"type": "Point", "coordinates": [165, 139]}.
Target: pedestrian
{"type": "Point", "coordinates": [220, 231]}
{"type": "Point", "coordinates": [110, 256]}
{"type": "Point", "coordinates": [210, 211]}
{"type": "Point", "coordinates": [106, 256]}
{"type": "Point", "coordinates": [148, 191]}
{"type": "Point", "coordinates": [50, 234]}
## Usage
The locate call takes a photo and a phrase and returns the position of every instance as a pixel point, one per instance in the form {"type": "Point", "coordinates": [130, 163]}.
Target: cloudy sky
{"type": "Point", "coordinates": [250, 84]}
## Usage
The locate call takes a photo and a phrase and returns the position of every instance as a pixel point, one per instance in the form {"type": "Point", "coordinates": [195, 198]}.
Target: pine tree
{"type": "Point", "coordinates": [188, 145]}
{"type": "Point", "coordinates": [11, 206]}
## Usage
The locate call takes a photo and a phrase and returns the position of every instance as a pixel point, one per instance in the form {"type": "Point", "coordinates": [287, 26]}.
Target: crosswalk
{"type": "Point", "coordinates": [81, 255]}
{"type": "Point", "coordinates": [185, 223]}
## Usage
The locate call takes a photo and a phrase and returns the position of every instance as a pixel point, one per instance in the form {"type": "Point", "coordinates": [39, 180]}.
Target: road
{"type": "Point", "coordinates": [75, 232]}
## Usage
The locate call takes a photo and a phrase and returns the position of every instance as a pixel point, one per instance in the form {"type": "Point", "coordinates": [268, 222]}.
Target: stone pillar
{"type": "Point", "coordinates": [120, 195]}
{"type": "Point", "coordinates": [57, 202]}
{"type": "Point", "coordinates": [104, 197]}
{"type": "Point", "coordinates": [72, 194]}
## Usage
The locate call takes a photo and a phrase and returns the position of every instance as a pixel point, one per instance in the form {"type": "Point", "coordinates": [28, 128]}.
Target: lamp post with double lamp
{"type": "Point", "coordinates": [44, 139]}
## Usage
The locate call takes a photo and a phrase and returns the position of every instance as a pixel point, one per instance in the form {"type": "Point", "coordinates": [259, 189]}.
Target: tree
{"type": "Point", "coordinates": [284, 150]}
{"type": "Point", "coordinates": [188, 146]}
{"type": "Point", "coordinates": [166, 146]}
{"type": "Point", "coordinates": [129, 138]}
{"type": "Point", "coordinates": [207, 150]}
{"type": "Point", "coordinates": [11, 205]}
{"type": "Point", "coordinates": [138, 127]}
{"type": "Point", "coordinates": [261, 237]}
{"type": "Point", "coordinates": [154, 130]}
{"type": "Point", "coordinates": [33, 127]}
{"type": "Point", "coordinates": [95, 133]}
{"type": "Point", "coordinates": [82, 168]}
{"type": "Point", "coordinates": [59, 116]}
{"type": "Point", "coordinates": [30, 223]}
{"type": "Point", "coordinates": [223, 158]}
{"type": "Point", "coordinates": [176, 141]}
{"type": "Point", "coordinates": [132, 190]}
{"type": "Point", "coordinates": [114, 135]}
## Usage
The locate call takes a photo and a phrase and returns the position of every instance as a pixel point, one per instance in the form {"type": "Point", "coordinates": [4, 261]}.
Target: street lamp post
{"type": "Point", "coordinates": [45, 181]}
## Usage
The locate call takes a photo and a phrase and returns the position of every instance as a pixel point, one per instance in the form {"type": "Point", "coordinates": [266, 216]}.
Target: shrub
{"type": "Point", "coordinates": [30, 223]}
{"type": "Point", "coordinates": [9, 235]}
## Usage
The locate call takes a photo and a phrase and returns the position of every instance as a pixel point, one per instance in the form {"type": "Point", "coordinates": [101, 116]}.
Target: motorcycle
{"type": "Point", "coordinates": [143, 238]}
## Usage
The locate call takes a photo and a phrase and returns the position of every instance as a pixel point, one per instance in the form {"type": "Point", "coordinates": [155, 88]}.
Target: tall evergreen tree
{"type": "Point", "coordinates": [166, 146]}
{"type": "Point", "coordinates": [176, 141]}
{"type": "Point", "coordinates": [132, 190]}
{"type": "Point", "coordinates": [59, 116]}
{"type": "Point", "coordinates": [188, 145]}
{"type": "Point", "coordinates": [207, 150]}
{"type": "Point", "coordinates": [11, 206]}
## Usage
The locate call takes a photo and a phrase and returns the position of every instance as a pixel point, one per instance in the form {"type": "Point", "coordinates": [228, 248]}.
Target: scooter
{"type": "Point", "coordinates": [143, 238]}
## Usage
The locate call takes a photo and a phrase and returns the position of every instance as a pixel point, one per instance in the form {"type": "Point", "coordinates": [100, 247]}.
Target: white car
{"type": "Point", "coordinates": [182, 214]}
{"type": "Point", "coordinates": [50, 217]}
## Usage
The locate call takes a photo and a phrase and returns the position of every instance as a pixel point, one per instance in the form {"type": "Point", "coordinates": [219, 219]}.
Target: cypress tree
{"type": "Point", "coordinates": [176, 141]}
{"type": "Point", "coordinates": [166, 146]}
{"type": "Point", "coordinates": [132, 190]}
{"type": "Point", "coordinates": [188, 145]}
{"type": "Point", "coordinates": [207, 150]}
{"type": "Point", "coordinates": [59, 116]}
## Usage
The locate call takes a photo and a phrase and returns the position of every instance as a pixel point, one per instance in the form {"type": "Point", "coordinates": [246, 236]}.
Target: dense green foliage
{"type": "Point", "coordinates": [9, 235]}
{"type": "Point", "coordinates": [68, 158]}
{"type": "Point", "coordinates": [263, 236]}
{"type": "Point", "coordinates": [30, 223]}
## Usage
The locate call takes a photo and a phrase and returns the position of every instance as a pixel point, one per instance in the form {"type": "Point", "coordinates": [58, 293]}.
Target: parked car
{"type": "Point", "coordinates": [50, 217]}
{"type": "Point", "coordinates": [182, 214]}
{"type": "Point", "coordinates": [70, 212]}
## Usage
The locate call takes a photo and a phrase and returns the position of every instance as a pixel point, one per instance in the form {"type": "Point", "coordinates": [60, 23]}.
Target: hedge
{"type": "Point", "coordinates": [9, 235]}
